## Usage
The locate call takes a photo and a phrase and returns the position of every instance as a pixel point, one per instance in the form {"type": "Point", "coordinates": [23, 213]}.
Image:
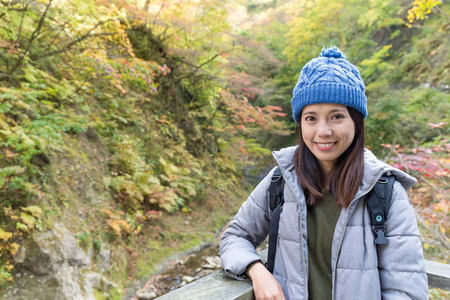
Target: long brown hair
{"type": "Point", "coordinates": [346, 175]}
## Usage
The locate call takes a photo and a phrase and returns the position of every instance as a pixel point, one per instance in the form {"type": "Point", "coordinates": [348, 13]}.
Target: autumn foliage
{"type": "Point", "coordinates": [158, 106]}
{"type": "Point", "coordinates": [430, 164]}
{"type": "Point", "coordinates": [146, 84]}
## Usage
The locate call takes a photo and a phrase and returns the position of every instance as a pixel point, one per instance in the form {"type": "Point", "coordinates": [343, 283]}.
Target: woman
{"type": "Point", "coordinates": [325, 246]}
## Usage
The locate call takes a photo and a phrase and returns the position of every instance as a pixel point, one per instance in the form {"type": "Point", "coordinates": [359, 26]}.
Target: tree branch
{"type": "Point", "coordinates": [442, 11]}
{"type": "Point", "coordinates": [146, 5]}
{"type": "Point", "coordinates": [206, 62]}
{"type": "Point", "coordinates": [160, 9]}
{"type": "Point", "coordinates": [53, 40]}
{"type": "Point", "coordinates": [205, 128]}
{"type": "Point", "coordinates": [4, 76]}
{"type": "Point", "coordinates": [210, 60]}
{"type": "Point", "coordinates": [441, 238]}
{"type": "Point", "coordinates": [33, 36]}
{"type": "Point", "coordinates": [75, 92]}
{"type": "Point", "coordinates": [21, 23]}
{"type": "Point", "coordinates": [69, 46]}
{"type": "Point", "coordinates": [10, 4]}
{"type": "Point", "coordinates": [77, 40]}
{"type": "Point", "coordinates": [201, 65]}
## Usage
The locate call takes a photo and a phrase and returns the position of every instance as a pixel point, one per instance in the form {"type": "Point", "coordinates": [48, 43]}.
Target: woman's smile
{"type": "Point", "coordinates": [325, 146]}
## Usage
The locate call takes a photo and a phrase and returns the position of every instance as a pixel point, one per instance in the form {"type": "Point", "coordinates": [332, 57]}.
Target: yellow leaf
{"type": "Point", "coordinates": [125, 226]}
{"type": "Point", "coordinates": [34, 210]}
{"type": "Point", "coordinates": [152, 180]}
{"type": "Point", "coordinates": [28, 220]}
{"type": "Point", "coordinates": [162, 161]}
{"type": "Point", "coordinates": [138, 229]}
{"type": "Point", "coordinates": [23, 227]}
{"type": "Point", "coordinates": [426, 246]}
{"type": "Point", "coordinates": [6, 132]}
{"type": "Point", "coordinates": [115, 227]}
{"type": "Point", "coordinates": [109, 213]}
{"type": "Point", "coordinates": [441, 206]}
{"type": "Point", "coordinates": [120, 88]}
{"type": "Point", "coordinates": [10, 154]}
{"type": "Point", "coordinates": [13, 248]}
{"type": "Point", "coordinates": [4, 235]}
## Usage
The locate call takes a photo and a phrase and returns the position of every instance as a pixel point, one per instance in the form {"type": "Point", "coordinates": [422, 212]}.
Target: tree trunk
{"type": "Point", "coordinates": [146, 5]}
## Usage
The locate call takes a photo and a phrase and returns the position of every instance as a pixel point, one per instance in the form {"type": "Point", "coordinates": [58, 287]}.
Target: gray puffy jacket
{"type": "Point", "coordinates": [360, 269]}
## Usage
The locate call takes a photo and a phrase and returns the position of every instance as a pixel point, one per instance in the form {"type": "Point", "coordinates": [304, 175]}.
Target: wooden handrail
{"type": "Point", "coordinates": [219, 286]}
{"type": "Point", "coordinates": [438, 274]}
{"type": "Point", "coordinates": [215, 286]}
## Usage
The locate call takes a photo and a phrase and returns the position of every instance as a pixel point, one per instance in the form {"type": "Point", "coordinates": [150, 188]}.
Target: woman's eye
{"type": "Point", "coordinates": [338, 117]}
{"type": "Point", "coordinates": [309, 119]}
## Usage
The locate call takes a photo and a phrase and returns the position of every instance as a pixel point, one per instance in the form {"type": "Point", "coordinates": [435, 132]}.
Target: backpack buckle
{"type": "Point", "coordinates": [276, 177]}
{"type": "Point", "coordinates": [380, 237]}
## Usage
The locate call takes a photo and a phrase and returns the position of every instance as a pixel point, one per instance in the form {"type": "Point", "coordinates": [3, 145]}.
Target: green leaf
{"type": "Point", "coordinates": [27, 219]}
{"type": "Point", "coordinates": [33, 210]}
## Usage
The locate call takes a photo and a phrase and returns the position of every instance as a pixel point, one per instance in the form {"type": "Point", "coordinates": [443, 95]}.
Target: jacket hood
{"type": "Point", "coordinates": [373, 168]}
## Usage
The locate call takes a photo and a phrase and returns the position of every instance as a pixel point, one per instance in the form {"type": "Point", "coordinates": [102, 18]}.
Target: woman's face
{"type": "Point", "coordinates": [327, 130]}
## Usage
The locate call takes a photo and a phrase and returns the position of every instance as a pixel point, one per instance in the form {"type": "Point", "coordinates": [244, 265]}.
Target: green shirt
{"type": "Point", "coordinates": [321, 221]}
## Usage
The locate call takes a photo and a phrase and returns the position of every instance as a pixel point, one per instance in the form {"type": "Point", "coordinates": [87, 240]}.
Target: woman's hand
{"type": "Point", "coordinates": [265, 286]}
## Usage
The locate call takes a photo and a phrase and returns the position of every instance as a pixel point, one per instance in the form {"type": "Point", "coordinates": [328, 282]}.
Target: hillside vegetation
{"type": "Point", "coordinates": [114, 115]}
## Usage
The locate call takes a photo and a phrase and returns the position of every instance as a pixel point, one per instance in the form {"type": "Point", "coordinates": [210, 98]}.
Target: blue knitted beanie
{"type": "Point", "coordinates": [329, 78]}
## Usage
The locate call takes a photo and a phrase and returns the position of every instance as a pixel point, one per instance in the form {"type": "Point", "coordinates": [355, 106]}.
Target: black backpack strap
{"type": "Point", "coordinates": [275, 190]}
{"type": "Point", "coordinates": [276, 200]}
{"type": "Point", "coordinates": [378, 202]}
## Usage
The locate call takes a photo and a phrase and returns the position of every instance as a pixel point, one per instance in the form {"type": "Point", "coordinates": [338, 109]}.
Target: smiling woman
{"type": "Point", "coordinates": [327, 130]}
{"type": "Point", "coordinates": [331, 150]}
{"type": "Point", "coordinates": [325, 248]}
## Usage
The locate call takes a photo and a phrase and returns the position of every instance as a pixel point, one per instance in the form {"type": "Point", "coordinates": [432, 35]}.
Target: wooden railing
{"type": "Point", "coordinates": [438, 274]}
{"type": "Point", "coordinates": [218, 286]}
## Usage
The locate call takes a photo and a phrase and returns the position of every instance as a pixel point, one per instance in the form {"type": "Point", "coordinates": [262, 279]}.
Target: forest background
{"type": "Point", "coordinates": [118, 116]}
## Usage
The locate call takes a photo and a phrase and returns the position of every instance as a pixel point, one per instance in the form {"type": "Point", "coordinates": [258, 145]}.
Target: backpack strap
{"type": "Point", "coordinates": [276, 201]}
{"type": "Point", "coordinates": [378, 202]}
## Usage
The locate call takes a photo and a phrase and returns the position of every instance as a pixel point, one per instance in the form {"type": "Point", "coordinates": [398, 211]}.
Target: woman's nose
{"type": "Point", "coordinates": [324, 130]}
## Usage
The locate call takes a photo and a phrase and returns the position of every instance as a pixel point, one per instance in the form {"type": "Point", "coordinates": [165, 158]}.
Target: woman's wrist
{"type": "Point", "coordinates": [253, 268]}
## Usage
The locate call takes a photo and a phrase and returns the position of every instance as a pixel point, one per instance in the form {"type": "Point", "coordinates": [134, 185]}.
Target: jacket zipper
{"type": "Point", "coordinates": [303, 250]}
{"type": "Point", "coordinates": [345, 227]}
{"type": "Point", "coordinates": [301, 231]}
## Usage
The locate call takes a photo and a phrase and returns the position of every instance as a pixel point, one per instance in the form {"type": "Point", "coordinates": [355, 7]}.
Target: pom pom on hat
{"type": "Point", "coordinates": [332, 52]}
{"type": "Point", "coordinates": [329, 78]}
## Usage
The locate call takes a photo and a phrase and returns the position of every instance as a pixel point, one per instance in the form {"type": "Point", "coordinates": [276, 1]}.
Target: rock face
{"type": "Point", "coordinates": [50, 265]}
